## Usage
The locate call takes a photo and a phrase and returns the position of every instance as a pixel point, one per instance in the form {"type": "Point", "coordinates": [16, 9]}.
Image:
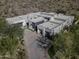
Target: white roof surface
{"type": "Point", "coordinates": [49, 14]}
{"type": "Point", "coordinates": [56, 20]}
{"type": "Point", "coordinates": [44, 14]}
{"type": "Point", "coordinates": [39, 16]}
{"type": "Point", "coordinates": [62, 17]}
{"type": "Point", "coordinates": [17, 19]}
{"type": "Point", "coordinates": [38, 19]}
{"type": "Point", "coordinates": [48, 25]}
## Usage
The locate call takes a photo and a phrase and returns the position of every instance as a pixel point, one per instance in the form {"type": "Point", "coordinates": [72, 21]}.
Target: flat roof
{"type": "Point", "coordinates": [62, 17]}
{"type": "Point", "coordinates": [44, 14]}
{"type": "Point", "coordinates": [38, 19]}
{"type": "Point", "coordinates": [47, 25]}
{"type": "Point", "coordinates": [54, 20]}
{"type": "Point", "coordinates": [50, 13]}
{"type": "Point", "coordinates": [21, 18]}
{"type": "Point", "coordinates": [39, 16]}
{"type": "Point", "coordinates": [17, 19]}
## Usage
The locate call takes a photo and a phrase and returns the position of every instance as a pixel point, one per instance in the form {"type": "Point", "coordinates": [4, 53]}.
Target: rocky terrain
{"type": "Point", "coordinates": [10, 8]}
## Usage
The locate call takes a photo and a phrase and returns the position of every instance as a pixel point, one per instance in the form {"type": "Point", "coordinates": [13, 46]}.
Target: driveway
{"type": "Point", "coordinates": [33, 50]}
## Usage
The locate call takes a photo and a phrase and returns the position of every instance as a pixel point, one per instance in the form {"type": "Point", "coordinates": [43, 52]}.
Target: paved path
{"type": "Point", "coordinates": [34, 52]}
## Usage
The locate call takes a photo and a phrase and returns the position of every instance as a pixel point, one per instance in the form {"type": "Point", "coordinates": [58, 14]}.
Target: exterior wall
{"type": "Point", "coordinates": [52, 32]}
{"type": "Point", "coordinates": [71, 20]}
{"type": "Point", "coordinates": [17, 22]}
{"type": "Point", "coordinates": [24, 23]}
{"type": "Point", "coordinates": [38, 31]}
{"type": "Point", "coordinates": [57, 29]}
{"type": "Point", "coordinates": [36, 24]}
{"type": "Point", "coordinates": [66, 23]}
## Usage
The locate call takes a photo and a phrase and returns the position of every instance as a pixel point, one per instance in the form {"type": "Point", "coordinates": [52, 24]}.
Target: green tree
{"type": "Point", "coordinates": [14, 31]}
{"type": "Point", "coordinates": [63, 44]}
{"type": "Point", "coordinates": [3, 24]}
{"type": "Point", "coordinates": [10, 39]}
{"type": "Point", "coordinates": [66, 43]}
{"type": "Point", "coordinates": [8, 46]}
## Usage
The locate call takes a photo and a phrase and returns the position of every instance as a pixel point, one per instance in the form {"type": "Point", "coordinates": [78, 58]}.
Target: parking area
{"type": "Point", "coordinates": [31, 46]}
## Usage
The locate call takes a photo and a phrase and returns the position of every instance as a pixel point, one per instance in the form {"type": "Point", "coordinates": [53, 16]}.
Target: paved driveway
{"type": "Point", "coordinates": [33, 51]}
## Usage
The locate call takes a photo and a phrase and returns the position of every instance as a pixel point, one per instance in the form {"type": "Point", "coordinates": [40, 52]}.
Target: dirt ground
{"type": "Point", "coordinates": [33, 50]}
{"type": "Point", "coordinates": [10, 8]}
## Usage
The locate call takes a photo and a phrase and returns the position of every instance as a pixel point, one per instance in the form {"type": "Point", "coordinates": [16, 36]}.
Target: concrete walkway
{"type": "Point", "coordinates": [33, 50]}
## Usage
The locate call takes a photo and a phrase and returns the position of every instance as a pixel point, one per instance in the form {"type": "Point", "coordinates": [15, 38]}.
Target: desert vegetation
{"type": "Point", "coordinates": [10, 8]}
{"type": "Point", "coordinates": [65, 45]}
{"type": "Point", "coordinates": [11, 43]}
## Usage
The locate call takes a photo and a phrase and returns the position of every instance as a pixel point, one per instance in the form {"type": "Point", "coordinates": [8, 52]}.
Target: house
{"type": "Point", "coordinates": [47, 24]}
{"type": "Point", "coordinates": [55, 25]}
